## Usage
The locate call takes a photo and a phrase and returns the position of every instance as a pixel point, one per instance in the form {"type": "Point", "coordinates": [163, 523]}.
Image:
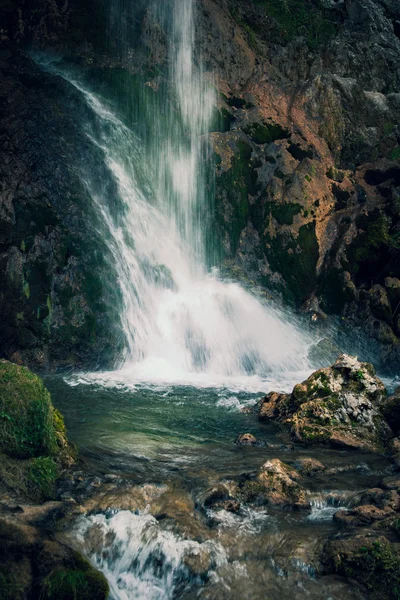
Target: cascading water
{"type": "Point", "coordinates": [181, 322]}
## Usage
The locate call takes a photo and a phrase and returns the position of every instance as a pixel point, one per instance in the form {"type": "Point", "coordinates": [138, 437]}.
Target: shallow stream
{"type": "Point", "coordinates": [178, 442]}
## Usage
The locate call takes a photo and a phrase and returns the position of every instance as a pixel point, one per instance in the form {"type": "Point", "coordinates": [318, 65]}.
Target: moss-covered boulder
{"type": "Point", "coordinates": [29, 424]}
{"type": "Point", "coordinates": [338, 405]}
{"type": "Point", "coordinates": [373, 562]}
{"type": "Point", "coordinates": [78, 579]}
{"type": "Point", "coordinates": [275, 484]}
{"type": "Point", "coordinates": [34, 566]}
{"type": "Point", "coordinates": [33, 443]}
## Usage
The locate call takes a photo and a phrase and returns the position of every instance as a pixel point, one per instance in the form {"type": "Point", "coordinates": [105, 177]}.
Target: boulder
{"type": "Point", "coordinates": [371, 560]}
{"type": "Point", "coordinates": [309, 466]}
{"type": "Point", "coordinates": [274, 484]}
{"type": "Point", "coordinates": [246, 439]}
{"type": "Point", "coordinates": [337, 405]}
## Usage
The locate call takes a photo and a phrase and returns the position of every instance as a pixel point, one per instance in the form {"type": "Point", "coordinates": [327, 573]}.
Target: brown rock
{"type": "Point", "coordinates": [309, 466]}
{"type": "Point", "coordinates": [362, 515]}
{"type": "Point", "coordinates": [271, 406]}
{"type": "Point", "coordinates": [275, 484]}
{"type": "Point", "coordinates": [245, 439]}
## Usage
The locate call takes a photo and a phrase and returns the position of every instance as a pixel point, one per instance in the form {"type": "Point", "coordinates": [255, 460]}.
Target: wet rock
{"type": "Point", "coordinates": [59, 302]}
{"type": "Point", "coordinates": [230, 505]}
{"type": "Point", "coordinates": [337, 405]}
{"type": "Point", "coordinates": [380, 305]}
{"type": "Point", "coordinates": [31, 562]}
{"type": "Point", "coordinates": [325, 352]}
{"type": "Point", "coordinates": [390, 483]}
{"type": "Point", "coordinates": [275, 484]}
{"type": "Point", "coordinates": [309, 466]}
{"type": "Point", "coordinates": [272, 406]}
{"type": "Point", "coordinates": [214, 495]}
{"type": "Point", "coordinates": [390, 408]}
{"type": "Point", "coordinates": [392, 286]}
{"type": "Point", "coordinates": [246, 439]}
{"type": "Point", "coordinates": [396, 461]}
{"type": "Point", "coordinates": [394, 445]}
{"type": "Point", "coordinates": [362, 516]}
{"type": "Point", "coordinates": [371, 560]}
{"type": "Point", "coordinates": [383, 499]}
{"type": "Point", "coordinates": [198, 561]}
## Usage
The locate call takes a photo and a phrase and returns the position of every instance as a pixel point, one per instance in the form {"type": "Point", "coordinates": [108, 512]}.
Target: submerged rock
{"type": "Point", "coordinates": [337, 405]}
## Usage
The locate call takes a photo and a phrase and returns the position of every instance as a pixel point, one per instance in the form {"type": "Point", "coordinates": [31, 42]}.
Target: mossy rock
{"type": "Point", "coordinates": [374, 563]}
{"type": "Point", "coordinates": [78, 581]}
{"type": "Point", "coordinates": [29, 424]}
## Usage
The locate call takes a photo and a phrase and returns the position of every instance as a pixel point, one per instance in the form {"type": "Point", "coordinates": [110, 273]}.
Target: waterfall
{"type": "Point", "coordinates": [182, 323]}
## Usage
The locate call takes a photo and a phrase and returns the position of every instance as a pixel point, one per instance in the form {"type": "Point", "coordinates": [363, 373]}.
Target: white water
{"type": "Point", "coordinates": [139, 559]}
{"type": "Point", "coordinates": [182, 324]}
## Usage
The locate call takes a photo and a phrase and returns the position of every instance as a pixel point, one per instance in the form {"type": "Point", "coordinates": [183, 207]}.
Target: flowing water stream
{"type": "Point", "coordinates": [198, 349]}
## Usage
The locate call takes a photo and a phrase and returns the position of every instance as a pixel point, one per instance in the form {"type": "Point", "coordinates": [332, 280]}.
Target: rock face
{"type": "Point", "coordinates": [308, 169]}
{"type": "Point", "coordinates": [58, 305]}
{"type": "Point", "coordinates": [338, 405]}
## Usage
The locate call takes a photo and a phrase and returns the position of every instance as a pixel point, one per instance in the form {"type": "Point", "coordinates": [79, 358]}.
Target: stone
{"type": "Point", "coordinates": [275, 484]}
{"type": "Point", "coordinates": [362, 515]}
{"type": "Point", "coordinates": [309, 466]}
{"type": "Point", "coordinates": [392, 286]}
{"type": "Point", "coordinates": [245, 439]}
{"type": "Point", "coordinates": [372, 560]}
{"type": "Point", "coordinates": [337, 405]}
{"type": "Point", "coordinates": [380, 305]}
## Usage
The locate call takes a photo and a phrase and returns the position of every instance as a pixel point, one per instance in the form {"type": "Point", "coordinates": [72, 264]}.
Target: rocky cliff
{"type": "Point", "coordinates": [306, 155]}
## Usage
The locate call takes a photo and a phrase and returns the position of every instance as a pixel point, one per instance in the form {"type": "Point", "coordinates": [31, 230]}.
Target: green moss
{"type": "Point", "coordinates": [266, 133]}
{"type": "Point", "coordinates": [335, 174]}
{"type": "Point", "coordinates": [395, 155]}
{"type": "Point", "coordinates": [80, 582]}
{"type": "Point", "coordinates": [236, 184]}
{"type": "Point", "coordinates": [29, 425]}
{"type": "Point", "coordinates": [42, 477]}
{"type": "Point", "coordinates": [253, 492]}
{"type": "Point", "coordinates": [377, 566]}
{"type": "Point", "coordinates": [300, 18]}
{"type": "Point", "coordinates": [314, 435]}
{"type": "Point", "coordinates": [283, 213]}
{"type": "Point", "coordinates": [26, 413]}
{"type": "Point", "coordinates": [26, 289]}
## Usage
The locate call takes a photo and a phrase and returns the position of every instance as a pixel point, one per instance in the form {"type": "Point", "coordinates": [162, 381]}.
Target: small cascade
{"type": "Point", "coordinates": [140, 560]}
